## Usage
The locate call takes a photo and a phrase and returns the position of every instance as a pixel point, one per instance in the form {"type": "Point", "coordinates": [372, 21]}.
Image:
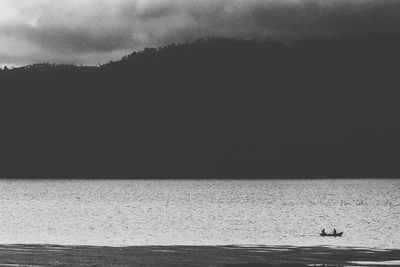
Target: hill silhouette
{"type": "Point", "coordinates": [212, 108]}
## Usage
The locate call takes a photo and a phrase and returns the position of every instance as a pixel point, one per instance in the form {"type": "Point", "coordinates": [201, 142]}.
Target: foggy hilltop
{"type": "Point", "coordinates": [212, 108]}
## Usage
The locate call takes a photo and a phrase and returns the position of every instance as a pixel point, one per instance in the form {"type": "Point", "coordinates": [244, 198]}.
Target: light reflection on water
{"type": "Point", "coordinates": [200, 212]}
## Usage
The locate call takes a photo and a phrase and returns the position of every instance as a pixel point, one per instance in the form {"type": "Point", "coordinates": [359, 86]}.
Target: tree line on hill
{"type": "Point", "coordinates": [211, 108]}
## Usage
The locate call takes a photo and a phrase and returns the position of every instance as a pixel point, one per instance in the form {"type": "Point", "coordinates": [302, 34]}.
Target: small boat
{"type": "Point", "coordinates": [335, 235]}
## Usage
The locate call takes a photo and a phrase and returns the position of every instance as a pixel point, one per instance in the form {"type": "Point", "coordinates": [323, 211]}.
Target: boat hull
{"type": "Point", "coordinates": [334, 235]}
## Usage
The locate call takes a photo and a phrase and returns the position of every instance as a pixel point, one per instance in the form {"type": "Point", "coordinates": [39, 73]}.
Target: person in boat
{"type": "Point", "coordinates": [323, 232]}
{"type": "Point", "coordinates": [334, 231]}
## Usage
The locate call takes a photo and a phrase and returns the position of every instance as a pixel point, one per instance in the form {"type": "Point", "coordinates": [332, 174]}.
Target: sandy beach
{"type": "Point", "coordinates": [212, 256]}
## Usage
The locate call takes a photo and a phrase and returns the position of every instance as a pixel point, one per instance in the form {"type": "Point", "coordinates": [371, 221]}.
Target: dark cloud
{"type": "Point", "coordinates": [158, 11]}
{"type": "Point", "coordinates": [310, 17]}
{"type": "Point", "coordinates": [98, 28]}
{"type": "Point", "coordinates": [71, 40]}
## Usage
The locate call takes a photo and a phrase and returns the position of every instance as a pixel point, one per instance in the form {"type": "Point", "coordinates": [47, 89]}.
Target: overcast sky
{"type": "Point", "coordinates": [91, 31]}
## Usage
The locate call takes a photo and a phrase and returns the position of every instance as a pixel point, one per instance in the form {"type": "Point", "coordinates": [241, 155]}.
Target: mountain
{"type": "Point", "coordinates": [212, 108]}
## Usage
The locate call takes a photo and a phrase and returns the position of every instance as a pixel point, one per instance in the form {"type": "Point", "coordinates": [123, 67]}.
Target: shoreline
{"type": "Point", "coordinates": [213, 256]}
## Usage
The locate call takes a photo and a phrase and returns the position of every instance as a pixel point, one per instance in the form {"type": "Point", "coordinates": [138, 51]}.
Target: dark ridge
{"type": "Point", "coordinates": [214, 108]}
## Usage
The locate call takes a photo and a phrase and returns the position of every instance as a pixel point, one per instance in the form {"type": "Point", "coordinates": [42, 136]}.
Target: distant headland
{"type": "Point", "coordinates": [213, 108]}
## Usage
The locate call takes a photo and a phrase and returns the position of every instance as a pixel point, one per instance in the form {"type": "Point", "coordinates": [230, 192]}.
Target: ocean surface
{"type": "Point", "coordinates": [200, 212]}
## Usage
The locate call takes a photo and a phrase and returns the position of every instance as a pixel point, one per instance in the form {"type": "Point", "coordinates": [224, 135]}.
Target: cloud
{"type": "Point", "coordinates": [81, 31]}
{"type": "Point", "coordinates": [311, 17]}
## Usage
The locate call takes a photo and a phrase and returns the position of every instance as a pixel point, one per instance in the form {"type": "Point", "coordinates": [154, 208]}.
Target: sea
{"type": "Point", "coordinates": [201, 212]}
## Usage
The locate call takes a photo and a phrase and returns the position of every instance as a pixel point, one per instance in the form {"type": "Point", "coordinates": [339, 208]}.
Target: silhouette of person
{"type": "Point", "coordinates": [334, 231]}
{"type": "Point", "coordinates": [323, 231]}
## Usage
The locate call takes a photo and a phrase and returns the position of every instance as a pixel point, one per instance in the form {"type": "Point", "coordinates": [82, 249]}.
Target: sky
{"type": "Point", "coordinates": [97, 31]}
